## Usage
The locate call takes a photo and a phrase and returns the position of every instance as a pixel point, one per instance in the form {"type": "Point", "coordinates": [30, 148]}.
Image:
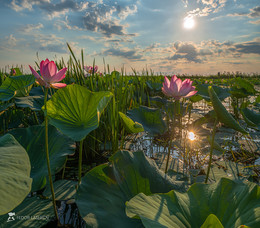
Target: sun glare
{"type": "Point", "coordinates": [191, 136]}
{"type": "Point", "coordinates": [188, 23]}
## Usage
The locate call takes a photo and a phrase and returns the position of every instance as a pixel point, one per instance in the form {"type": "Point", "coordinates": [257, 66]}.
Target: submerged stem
{"type": "Point", "coordinates": [211, 149]}
{"type": "Point", "coordinates": [47, 154]}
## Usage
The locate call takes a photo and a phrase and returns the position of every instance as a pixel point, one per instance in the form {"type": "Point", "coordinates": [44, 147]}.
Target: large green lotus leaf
{"type": "Point", "coordinates": [32, 212]}
{"type": "Point", "coordinates": [16, 86]}
{"type": "Point", "coordinates": [15, 181]}
{"type": "Point", "coordinates": [130, 125]}
{"type": "Point", "coordinates": [35, 211]}
{"type": "Point", "coordinates": [75, 110]}
{"type": "Point", "coordinates": [221, 92]}
{"type": "Point", "coordinates": [233, 203]}
{"type": "Point", "coordinates": [33, 140]}
{"type": "Point", "coordinates": [64, 190]}
{"type": "Point", "coordinates": [239, 92]}
{"type": "Point", "coordinates": [5, 107]}
{"type": "Point", "coordinates": [251, 115]}
{"type": "Point", "coordinates": [150, 118]}
{"type": "Point", "coordinates": [158, 101]}
{"type": "Point", "coordinates": [104, 190]}
{"type": "Point", "coordinates": [156, 86]}
{"type": "Point", "coordinates": [35, 103]}
{"type": "Point", "coordinates": [245, 84]}
{"type": "Point", "coordinates": [212, 221]}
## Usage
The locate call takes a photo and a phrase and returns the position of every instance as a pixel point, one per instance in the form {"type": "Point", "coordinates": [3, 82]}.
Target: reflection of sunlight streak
{"type": "Point", "coordinates": [191, 136]}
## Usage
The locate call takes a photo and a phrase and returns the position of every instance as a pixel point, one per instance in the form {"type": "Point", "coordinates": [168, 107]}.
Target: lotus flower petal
{"type": "Point", "coordinates": [178, 82]}
{"type": "Point", "coordinates": [43, 64]}
{"type": "Point", "coordinates": [38, 77]}
{"type": "Point", "coordinates": [59, 76]}
{"type": "Point", "coordinates": [191, 94]}
{"type": "Point", "coordinates": [49, 75]}
{"type": "Point", "coordinates": [177, 88]}
{"type": "Point", "coordinates": [58, 85]}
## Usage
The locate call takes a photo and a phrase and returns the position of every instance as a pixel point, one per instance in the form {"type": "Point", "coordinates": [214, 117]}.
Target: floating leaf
{"type": "Point", "coordinates": [150, 118]}
{"type": "Point", "coordinates": [15, 181]}
{"type": "Point", "coordinates": [33, 140]}
{"type": "Point", "coordinates": [104, 190]}
{"type": "Point", "coordinates": [75, 110]}
{"type": "Point", "coordinates": [233, 203]}
{"type": "Point", "coordinates": [16, 86]}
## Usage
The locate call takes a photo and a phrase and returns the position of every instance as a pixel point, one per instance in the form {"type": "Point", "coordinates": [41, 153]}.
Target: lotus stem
{"type": "Point", "coordinates": [47, 155]}
{"type": "Point", "coordinates": [80, 160]}
{"type": "Point", "coordinates": [35, 117]}
{"type": "Point", "coordinates": [168, 158]}
{"type": "Point", "coordinates": [211, 149]}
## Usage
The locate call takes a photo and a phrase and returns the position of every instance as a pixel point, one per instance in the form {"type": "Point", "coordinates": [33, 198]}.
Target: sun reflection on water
{"type": "Point", "coordinates": [191, 136]}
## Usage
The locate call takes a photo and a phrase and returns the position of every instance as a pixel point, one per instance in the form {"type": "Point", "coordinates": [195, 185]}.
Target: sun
{"type": "Point", "coordinates": [188, 23]}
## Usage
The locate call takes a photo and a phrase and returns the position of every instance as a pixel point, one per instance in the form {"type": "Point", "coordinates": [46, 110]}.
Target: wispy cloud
{"type": "Point", "coordinates": [104, 18]}
{"type": "Point", "coordinates": [31, 27]}
{"type": "Point", "coordinates": [8, 43]}
{"type": "Point", "coordinates": [206, 7]}
{"type": "Point", "coordinates": [126, 53]}
{"type": "Point", "coordinates": [253, 14]}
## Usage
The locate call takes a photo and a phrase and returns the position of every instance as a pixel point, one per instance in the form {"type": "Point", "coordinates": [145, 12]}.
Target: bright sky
{"type": "Point", "coordinates": [167, 36]}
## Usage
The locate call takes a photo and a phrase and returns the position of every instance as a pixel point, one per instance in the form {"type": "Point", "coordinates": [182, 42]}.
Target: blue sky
{"type": "Point", "coordinates": [135, 34]}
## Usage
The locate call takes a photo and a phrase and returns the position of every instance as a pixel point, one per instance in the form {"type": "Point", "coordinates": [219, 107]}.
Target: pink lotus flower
{"type": "Point", "coordinates": [49, 75]}
{"type": "Point", "coordinates": [177, 88]}
{"type": "Point", "coordinates": [89, 70]}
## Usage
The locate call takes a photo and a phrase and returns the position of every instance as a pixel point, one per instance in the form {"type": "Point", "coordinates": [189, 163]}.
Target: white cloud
{"type": "Point", "coordinates": [31, 27]}
{"type": "Point", "coordinates": [11, 40]}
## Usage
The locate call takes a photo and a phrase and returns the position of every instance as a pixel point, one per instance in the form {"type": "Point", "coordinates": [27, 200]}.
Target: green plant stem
{"type": "Point", "coordinates": [80, 160]}
{"type": "Point", "coordinates": [47, 155]}
{"type": "Point", "coordinates": [211, 149]}
{"type": "Point", "coordinates": [168, 157]}
{"type": "Point", "coordinates": [35, 117]}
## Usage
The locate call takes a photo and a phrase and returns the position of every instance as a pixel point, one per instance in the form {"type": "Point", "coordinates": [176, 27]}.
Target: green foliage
{"type": "Point", "coordinates": [245, 84]}
{"type": "Point", "coordinates": [212, 221]}
{"type": "Point", "coordinates": [222, 114]}
{"type": "Point", "coordinates": [5, 107]}
{"type": "Point", "coordinates": [33, 140]}
{"type": "Point", "coordinates": [16, 86]}
{"type": "Point", "coordinates": [154, 86]}
{"type": "Point", "coordinates": [38, 207]}
{"type": "Point", "coordinates": [15, 181]}
{"type": "Point", "coordinates": [76, 111]}
{"type": "Point", "coordinates": [231, 203]}
{"type": "Point", "coordinates": [150, 118]}
{"type": "Point", "coordinates": [35, 103]}
{"type": "Point", "coordinates": [222, 93]}
{"type": "Point", "coordinates": [251, 115]}
{"type": "Point", "coordinates": [104, 190]}
{"type": "Point", "coordinates": [130, 125]}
